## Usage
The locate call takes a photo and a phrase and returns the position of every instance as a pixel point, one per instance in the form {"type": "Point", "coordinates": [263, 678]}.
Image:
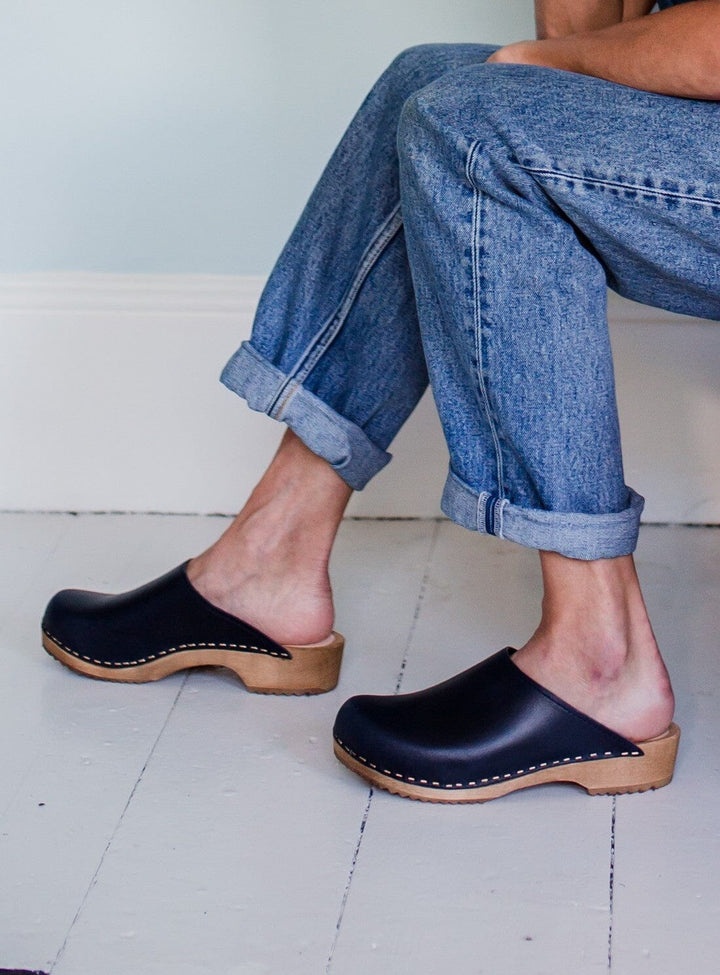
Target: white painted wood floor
{"type": "Point", "coordinates": [188, 826]}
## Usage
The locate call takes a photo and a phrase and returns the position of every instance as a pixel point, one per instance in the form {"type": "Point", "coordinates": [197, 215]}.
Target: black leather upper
{"type": "Point", "coordinates": [163, 616]}
{"type": "Point", "coordinates": [489, 723]}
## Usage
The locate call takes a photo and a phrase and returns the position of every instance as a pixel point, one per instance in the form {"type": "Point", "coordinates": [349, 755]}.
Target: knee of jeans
{"type": "Point", "coordinates": [434, 119]}
{"type": "Point", "coordinates": [418, 130]}
{"type": "Point", "coordinates": [414, 60]}
{"type": "Point", "coordinates": [418, 66]}
{"type": "Point", "coordinates": [409, 123]}
{"type": "Point", "coordinates": [409, 71]}
{"type": "Point", "coordinates": [476, 104]}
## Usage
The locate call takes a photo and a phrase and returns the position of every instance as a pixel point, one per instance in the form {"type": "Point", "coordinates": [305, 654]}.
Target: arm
{"type": "Point", "coordinates": [673, 52]}
{"type": "Point", "coordinates": [559, 18]}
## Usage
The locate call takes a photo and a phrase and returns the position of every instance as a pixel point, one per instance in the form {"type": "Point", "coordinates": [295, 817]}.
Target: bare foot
{"type": "Point", "coordinates": [270, 568]}
{"type": "Point", "coordinates": [595, 647]}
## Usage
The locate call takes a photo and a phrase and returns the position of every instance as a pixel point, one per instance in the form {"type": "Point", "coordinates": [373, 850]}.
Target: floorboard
{"type": "Point", "coordinates": [189, 826]}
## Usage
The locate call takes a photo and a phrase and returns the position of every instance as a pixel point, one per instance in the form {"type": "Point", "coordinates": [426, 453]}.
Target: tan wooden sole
{"type": "Point", "coordinates": [605, 776]}
{"type": "Point", "coordinates": [311, 670]}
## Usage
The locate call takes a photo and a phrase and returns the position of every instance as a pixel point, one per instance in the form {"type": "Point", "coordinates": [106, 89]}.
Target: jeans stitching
{"type": "Point", "coordinates": [499, 517]}
{"type": "Point", "coordinates": [478, 306]}
{"type": "Point", "coordinates": [329, 331]}
{"type": "Point", "coordinates": [620, 185]}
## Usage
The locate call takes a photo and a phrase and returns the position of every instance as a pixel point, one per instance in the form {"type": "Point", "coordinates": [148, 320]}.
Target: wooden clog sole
{"type": "Point", "coordinates": [605, 776]}
{"type": "Point", "coordinates": [311, 669]}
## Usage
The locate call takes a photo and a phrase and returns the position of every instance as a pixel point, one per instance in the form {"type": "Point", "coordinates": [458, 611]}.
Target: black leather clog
{"type": "Point", "coordinates": [486, 732]}
{"type": "Point", "coordinates": [166, 626]}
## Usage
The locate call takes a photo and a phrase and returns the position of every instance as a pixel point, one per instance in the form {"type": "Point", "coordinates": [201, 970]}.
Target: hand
{"type": "Point", "coordinates": [516, 53]}
{"type": "Point", "coordinates": [524, 52]}
{"type": "Point", "coordinates": [673, 52]}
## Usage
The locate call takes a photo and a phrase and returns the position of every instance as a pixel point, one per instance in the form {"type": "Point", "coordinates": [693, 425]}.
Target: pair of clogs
{"type": "Point", "coordinates": [485, 732]}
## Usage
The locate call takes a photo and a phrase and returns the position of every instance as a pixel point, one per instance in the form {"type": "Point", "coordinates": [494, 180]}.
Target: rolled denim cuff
{"type": "Point", "coordinates": [577, 536]}
{"type": "Point", "coordinates": [343, 444]}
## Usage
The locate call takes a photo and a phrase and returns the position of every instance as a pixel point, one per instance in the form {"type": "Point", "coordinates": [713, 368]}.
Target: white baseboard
{"type": "Point", "coordinates": [111, 402]}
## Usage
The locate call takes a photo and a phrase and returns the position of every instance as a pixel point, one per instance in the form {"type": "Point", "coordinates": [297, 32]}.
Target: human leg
{"type": "Point", "coordinates": [595, 646]}
{"type": "Point", "coordinates": [539, 334]}
{"type": "Point", "coordinates": [544, 189]}
{"type": "Point", "coordinates": [270, 567]}
{"type": "Point", "coordinates": [335, 353]}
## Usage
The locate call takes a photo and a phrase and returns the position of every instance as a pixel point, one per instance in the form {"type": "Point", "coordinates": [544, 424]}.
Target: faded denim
{"type": "Point", "coordinates": [466, 229]}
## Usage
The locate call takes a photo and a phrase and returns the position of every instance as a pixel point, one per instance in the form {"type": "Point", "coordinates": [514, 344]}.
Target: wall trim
{"type": "Point", "coordinates": [231, 294]}
{"type": "Point", "coordinates": [109, 400]}
{"type": "Point", "coordinates": [215, 294]}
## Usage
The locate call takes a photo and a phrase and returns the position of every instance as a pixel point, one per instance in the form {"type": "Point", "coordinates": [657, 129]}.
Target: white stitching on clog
{"type": "Point", "coordinates": [474, 784]}
{"type": "Point", "coordinates": [285, 655]}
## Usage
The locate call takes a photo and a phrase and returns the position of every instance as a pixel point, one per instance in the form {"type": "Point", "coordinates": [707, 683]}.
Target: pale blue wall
{"type": "Point", "coordinates": [184, 135]}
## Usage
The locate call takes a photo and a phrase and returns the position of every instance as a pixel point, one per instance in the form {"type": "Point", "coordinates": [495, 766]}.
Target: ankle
{"type": "Point", "coordinates": [627, 690]}
{"type": "Point", "coordinates": [270, 567]}
{"type": "Point", "coordinates": [301, 478]}
{"type": "Point", "coordinates": [599, 646]}
{"type": "Point", "coordinates": [283, 594]}
{"type": "Point", "coordinates": [598, 604]}
{"type": "Point", "coordinates": [298, 505]}
{"type": "Point", "coordinates": [595, 647]}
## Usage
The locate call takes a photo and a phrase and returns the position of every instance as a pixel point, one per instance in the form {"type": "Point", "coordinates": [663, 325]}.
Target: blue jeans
{"type": "Point", "coordinates": [465, 230]}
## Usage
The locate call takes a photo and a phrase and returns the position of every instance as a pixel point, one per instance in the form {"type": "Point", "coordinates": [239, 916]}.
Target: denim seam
{"type": "Point", "coordinates": [278, 406]}
{"type": "Point", "coordinates": [616, 184]}
{"type": "Point", "coordinates": [478, 226]}
{"type": "Point", "coordinates": [482, 500]}
{"type": "Point", "coordinates": [499, 510]}
{"type": "Point", "coordinates": [329, 331]}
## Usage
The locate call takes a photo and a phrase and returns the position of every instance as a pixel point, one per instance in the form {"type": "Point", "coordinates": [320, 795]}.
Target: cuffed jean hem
{"type": "Point", "coordinates": [343, 444]}
{"type": "Point", "coordinates": [576, 536]}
